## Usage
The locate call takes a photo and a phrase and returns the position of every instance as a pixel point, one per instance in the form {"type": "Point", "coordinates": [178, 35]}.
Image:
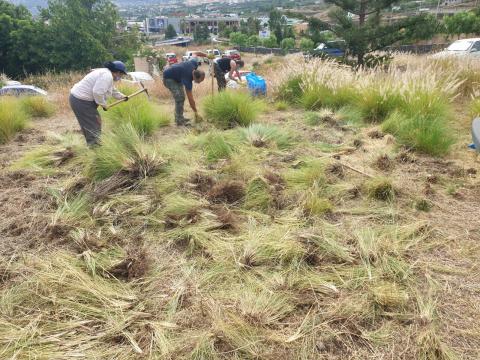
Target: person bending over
{"type": "Point", "coordinates": [223, 66]}
{"type": "Point", "coordinates": [92, 91]}
{"type": "Point", "coordinates": [180, 76]}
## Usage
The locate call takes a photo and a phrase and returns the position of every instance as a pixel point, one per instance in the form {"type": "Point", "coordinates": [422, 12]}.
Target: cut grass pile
{"type": "Point", "coordinates": [13, 118]}
{"type": "Point", "coordinates": [248, 243]}
{"type": "Point", "coordinates": [229, 109]}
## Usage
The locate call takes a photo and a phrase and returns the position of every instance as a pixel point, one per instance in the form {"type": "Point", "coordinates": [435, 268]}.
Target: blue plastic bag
{"type": "Point", "coordinates": [256, 84]}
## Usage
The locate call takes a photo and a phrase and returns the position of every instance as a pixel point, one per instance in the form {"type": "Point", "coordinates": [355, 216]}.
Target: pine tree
{"type": "Point", "coordinates": [359, 23]}
{"type": "Point", "coordinates": [170, 32]}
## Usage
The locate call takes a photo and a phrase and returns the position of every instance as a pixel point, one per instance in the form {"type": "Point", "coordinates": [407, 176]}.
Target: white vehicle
{"type": "Point", "coordinates": [136, 77]}
{"type": "Point", "coordinates": [460, 48]}
{"type": "Point", "coordinates": [22, 90]}
{"type": "Point", "coordinates": [189, 55]}
{"type": "Point", "coordinates": [215, 52]}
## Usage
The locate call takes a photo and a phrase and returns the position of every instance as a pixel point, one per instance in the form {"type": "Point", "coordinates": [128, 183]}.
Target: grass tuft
{"type": "Point", "coordinates": [380, 188]}
{"type": "Point", "coordinates": [13, 118]}
{"type": "Point", "coordinates": [125, 151]}
{"type": "Point", "coordinates": [258, 195]}
{"type": "Point", "coordinates": [229, 109]}
{"type": "Point", "coordinates": [260, 135]}
{"type": "Point", "coordinates": [37, 106]}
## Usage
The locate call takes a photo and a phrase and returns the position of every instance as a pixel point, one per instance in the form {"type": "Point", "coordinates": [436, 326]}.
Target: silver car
{"type": "Point", "coordinates": [460, 48]}
{"type": "Point", "coordinates": [22, 90]}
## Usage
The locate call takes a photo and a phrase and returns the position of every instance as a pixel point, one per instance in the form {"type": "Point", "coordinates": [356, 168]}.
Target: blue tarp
{"type": "Point", "coordinates": [256, 84]}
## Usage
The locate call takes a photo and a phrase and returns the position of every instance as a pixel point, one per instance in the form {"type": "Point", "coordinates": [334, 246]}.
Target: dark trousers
{"type": "Point", "coordinates": [178, 93]}
{"type": "Point", "coordinates": [89, 119]}
{"type": "Point", "coordinates": [220, 75]}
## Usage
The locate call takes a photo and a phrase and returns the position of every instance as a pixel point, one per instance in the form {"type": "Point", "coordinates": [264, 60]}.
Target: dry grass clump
{"type": "Point", "coordinates": [260, 135]}
{"type": "Point", "coordinates": [258, 195]}
{"type": "Point", "coordinates": [229, 109]}
{"type": "Point", "coordinates": [37, 106]}
{"type": "Point", "coordinates": [13, 118]}
{"type": "Point", "coordinates": [380, 188]}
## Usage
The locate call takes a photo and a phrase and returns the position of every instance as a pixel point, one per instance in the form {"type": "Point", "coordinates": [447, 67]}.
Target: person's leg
{"type": "Point", "coordinates": [179, 96]}
{"type": "Point", "coordinates": [88, 119]}
{"type": "Point", "coordinates": [220, 75]}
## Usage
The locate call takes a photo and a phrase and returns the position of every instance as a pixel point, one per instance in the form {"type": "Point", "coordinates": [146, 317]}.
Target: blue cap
{"type": "Point", "coordinates": [119, 66]}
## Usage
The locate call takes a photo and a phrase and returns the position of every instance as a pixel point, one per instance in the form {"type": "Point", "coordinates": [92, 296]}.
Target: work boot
{"type": "Point", "coordinates": [183, 122]}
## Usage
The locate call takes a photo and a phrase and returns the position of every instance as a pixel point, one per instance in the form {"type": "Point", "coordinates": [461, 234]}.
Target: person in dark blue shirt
{"type": "Point", "coordinates": [180, 76]}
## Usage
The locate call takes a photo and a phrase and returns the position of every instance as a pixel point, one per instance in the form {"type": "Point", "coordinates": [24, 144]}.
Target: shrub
{"type": "Point", "coordinates": [124, 151]}
{"type": "Point", "coordinates": [380, 188]}
{"type": "Point", "coordinates": [13, 118]}
{"type": "Point", "coordinates": [228, 109]}
{"type": "Point", "coordinates": [350, 114]}
{"type": "Point", "coordinates": [144, 116]}
{"type": "Point", "coordinates": [260, 135]}
{"type": "Point", "coordinates": [37, 106]}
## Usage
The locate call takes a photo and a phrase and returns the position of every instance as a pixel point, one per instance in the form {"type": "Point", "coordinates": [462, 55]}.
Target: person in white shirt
{"type": "Point", "coordinates": [92, 91]}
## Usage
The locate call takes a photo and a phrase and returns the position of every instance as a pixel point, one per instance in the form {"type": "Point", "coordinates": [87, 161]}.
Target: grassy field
{"type": "Point", "coordinates": [337, 218]}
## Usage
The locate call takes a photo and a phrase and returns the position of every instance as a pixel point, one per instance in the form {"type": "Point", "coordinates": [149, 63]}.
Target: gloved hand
{"type": "Point", "coordinates": [125, 98]}
{"type": "Point", "coordinates": [104, 107]}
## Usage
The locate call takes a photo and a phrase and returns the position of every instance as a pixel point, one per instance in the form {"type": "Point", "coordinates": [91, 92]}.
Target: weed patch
{"type": "Point", "coordinates": [37, 106]}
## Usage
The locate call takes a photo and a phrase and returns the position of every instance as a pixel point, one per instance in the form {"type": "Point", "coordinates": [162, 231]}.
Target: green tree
{"type": "Point", "coordinates": [366, 32]}
{"type": "Point", "coordinates": [307, 44]}
{"type": "Point", "coordinates": [238, 39]}
{"type": "Point", "coordinates": [201, 33]}
{"type": "Point", "coordinates": [287, 43]}
{"type": "Point", "coordinates": [270, 42]}
{"type": "Point", "coordinates": [462, 23]}
{"type": "Point", "coordinates": [253, 40]}
{"type": "Point", "coordinates": [170, 32]}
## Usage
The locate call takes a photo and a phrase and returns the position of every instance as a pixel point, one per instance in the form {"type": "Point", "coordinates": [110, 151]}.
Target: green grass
{"type": "Point", "coordinates": [124, 151]}
{"type": "Point", "coordinates": [144, 115]}
{"type": "Point", "coordinates": [261, 135]}
{"type": "Point", "coordinates": [375, 103]}
{"type": "Point", "coordinates": [281, 105]}
{"type": "Point", "coordinates": [13, 118]}
{"type": "Point", "coordinates": [475, 108]}
{"type": "Point", "coordinates": [216, 146]}
{"type": "Point", "coordinates": [229, 109]}
{"type": "Point", "coordinates": [427, 134]}
{"type": "Point", "coordinates": [37, 106]}
{"type": "Point", "coordinates": [291, 90]}
{"type": "Point", "coordinates": [316, 96]}
{"type": "Point", "coordinates": [258, 195]}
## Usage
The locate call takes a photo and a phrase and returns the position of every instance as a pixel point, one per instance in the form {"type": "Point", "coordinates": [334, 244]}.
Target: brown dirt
{"type": "Point", "coordinates": [134, 266]}
{"type": "Point", "coordinates": [229, 192]}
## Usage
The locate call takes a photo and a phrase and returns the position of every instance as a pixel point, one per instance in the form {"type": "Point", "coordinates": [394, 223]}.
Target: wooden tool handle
{"type": "Point", "coordinates": [125, 98]}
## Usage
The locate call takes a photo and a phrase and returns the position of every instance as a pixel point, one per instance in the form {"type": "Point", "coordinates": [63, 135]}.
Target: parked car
{"type": "Point", "coordinates": [215, 52]}
{"type": "Point", "coordinates": [135, 77]}
{"type": "Point", "coordinates": [22, 90]}
{"type": "Point", "coordinates": [189, 55]}
{"type": "Point", "coordinates": [171, 58]}
{"type": "Point", "coordinates": [232, 54]}
{"type": "Point", "coordinates": [330, 48]}
{"type": "Point", "coordinates": [464, 47]}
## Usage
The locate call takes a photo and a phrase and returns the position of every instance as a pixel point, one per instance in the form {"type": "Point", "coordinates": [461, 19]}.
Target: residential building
{"type": "Point", "coordinates": [188, 24]}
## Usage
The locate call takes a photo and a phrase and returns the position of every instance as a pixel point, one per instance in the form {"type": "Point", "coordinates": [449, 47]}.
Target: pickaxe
{"type": "Point", "coordinates": [142, 90]}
